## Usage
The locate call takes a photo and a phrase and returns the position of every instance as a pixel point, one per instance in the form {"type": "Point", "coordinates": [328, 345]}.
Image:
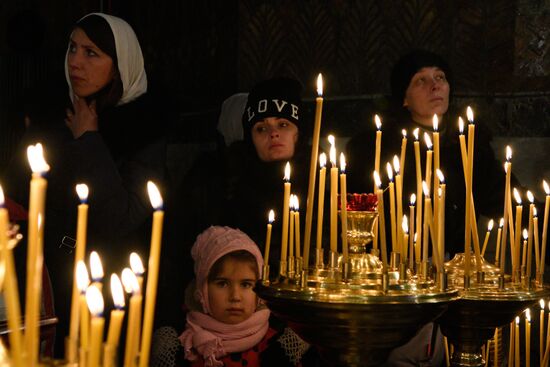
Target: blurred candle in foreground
{"type": "Point", "coordinates": [152, 273]}
{"type": "Point", "coordinates": [117, 315]}
{"type": "Point", "coordinates": [133, 329]}
{"type": "Point", "coordinates": [82, 282]}
{"type": "Point", "coordinates": [95, 303]}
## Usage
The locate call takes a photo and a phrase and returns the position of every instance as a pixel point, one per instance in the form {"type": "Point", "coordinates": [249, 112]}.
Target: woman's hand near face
{"type": "Point", "coordinates": [84, 117]}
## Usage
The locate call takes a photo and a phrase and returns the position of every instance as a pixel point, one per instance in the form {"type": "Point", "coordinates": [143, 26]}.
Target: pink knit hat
{"type": "Point", "coordinates": [211, 245]}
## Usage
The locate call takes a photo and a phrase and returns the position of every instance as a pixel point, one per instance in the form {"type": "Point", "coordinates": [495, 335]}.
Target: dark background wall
{"type": "Point", "coordinates": [199, 52]}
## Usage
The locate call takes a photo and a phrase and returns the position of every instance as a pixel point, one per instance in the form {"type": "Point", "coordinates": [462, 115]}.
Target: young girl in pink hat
{"type": "Point", "coordinates": [227, 325]}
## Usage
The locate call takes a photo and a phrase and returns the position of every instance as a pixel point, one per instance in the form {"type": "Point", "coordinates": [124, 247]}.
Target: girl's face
{"type": "Point", "coordinates": [230, 293]}
{"type": "Point", "coordinates": [427, 94]}
{"type": "Point", "coordinates": [90, 69]}
{"type": "Point", "coordinates": [274, 139]}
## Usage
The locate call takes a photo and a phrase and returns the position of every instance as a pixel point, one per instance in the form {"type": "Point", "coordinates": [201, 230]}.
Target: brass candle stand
{"type": "Point", "coordinates": [492, 300]}
{"type": "Point", "coordinates": [356, 312]}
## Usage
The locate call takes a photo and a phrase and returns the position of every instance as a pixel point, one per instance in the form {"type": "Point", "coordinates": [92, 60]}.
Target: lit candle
{"type": "Point", "coordinates": [291, 229]}
{"type": "Point", "coordinates": [547, 348]}
{"type": "Point", "coordinates": [519, 211]}
{"type": "Point", "coordinates": [320, 208]}
{"type": "Point", "coordinates": [441, 229]}
{"type": "Point", "coordinates": [380, 208]}
{"type": "Point", "coordinates": [95, 303]}
{"type": "Point", "coordinates": [82, 282]}
{"type": "Point", "coordinates": [528, 337]}
{"type": "Point", "coordinates": [537, 244]}
{"type": "Point", "coordinates": [117, 315]}
{"type": "Point", "coordinates": [333, 197]}
{"type": "Point", "coordinates": [297, 225]}
{"type": "Point", "coordinates": [517, 343]}
{"type": "Point", "coordinates": [11, 293]}
{"type": "Point", "coordinates": [507, 215]}
{"type": "Point", "coordinates": [343, 207]}
{"type": "Point", "coordinates": [402, 156]}
{"type": "Point", "coordinates": [405, 228]}
{"type": "Point", "coordinates": [429, 159]}
{"type": "Point", "coordinates": [499, 236]}
{"type": "Point", "coordinates": [284, 232]}
{"type": "Point", "coordinates": [35, 258]}
{"type": "Point", "coordinates": [133, 329]}
{"type": "Point", "coordinates": [429, 229]}
{"type": "Point", "coordinates": [487, 234]}
{"type": "Point", "coordinates": [313, 167]}
{"type": "Point", "coordinates": [378, 145]}
{"type": "Point", "coordinates": [137, 268]}
{"type": "Point", "coordinates": [399, 202]}
{"type": "Point", "coordinates": [511, 345]}
{"type": "Point", "coordinates": [270, 220]}
{"type": "Point", "coordinates": [469, 173]}
{"type": "Point", "coordinates": [411, 230]}
{"type": "Point", "coordinates": [152, 277]}
{"type": "Point", "coordinates": [418, 165]}
{"type": "Point", "coordinates": [531, 199]}
{"type": "Point", "coordinates": [435, 121]}
{"type": "Point", "coordinates": [392, 208]}
{"type": "Point", "coordinates": [524, 256]}
{"type": "Point", "coordinates": [81, 229]}
{"type": "Point", "coordinates": [96, 270]}
{"type": "Point", "coordinates": [545, 226]}
{"type": "Point", "coordinates": [541, 331]}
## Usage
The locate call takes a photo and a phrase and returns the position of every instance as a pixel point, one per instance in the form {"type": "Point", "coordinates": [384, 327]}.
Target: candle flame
{"type": "Point", "coordinates": [94, 299]}
{"type": "Point", "coordinates": [389, 171]}
{"type": "Point", "coordinates": [332, 155]}
{"type": "Point", "coordinates": [541, 303]}
{"type": "Point", "coordinates": [331, 139]}
{"type": "Point", "coordinates": [154, 195]}
{"type": "Point", "coordinates": [404, 133]}
{"type": "Point", "coordinates": [528, 315]}
{"type": "Point", "coordinates": [508, 153]}
{"type": "Point", "coordinates": [428, 141]}
{"type": "Point", "coordinates": [96, 269]}
{"type": "Point", "coordinates": [377, 122]}
{"type": "Point", "coordinates": [117, 292]}
{"type": "Point", "coordinates": [405, 224]}
{"type": "Point", "coordinates": [82, 279]}
{"type": "Point", "coordinates": [130, 282]}
{"type": "Point", "coordinates": [546, 187]}
{"type": "Point", "coordinates": [470, 114]}
{"type": "Point", "coordinates": [501, 223]}
{"type": "Point", "coordinates": [82, 191]}
{"type": "Point", "coordinates": [322, 160]}
{"type": "Point", "coordinates": [413, 199]}
{"type": "Point", "coordinates": [525, 234]}
{"type": "Point", "coordinates": [535, 211]}
{"type": "Point", "coordinates": [415, 133]}
{"type": "Point", "coordinates": [35, 155]}
{"type": "Point", "coordinates": [320, 85]}
{"type": "Point", "coordinates": [426, 189]}
{"type": "Point", "coordinates": [435, 122]}
{"type": "Point", "coordinates": [460, 125]}
{"type": "Point", "coordinates": [342, 162]}
{"type": "Point", "coordinates": [517, 196]}
{"type": "Point", "coordinates": [296, 203]}
{"type": "Point", "coordinates": [271, 216]}
{"type": "Point", "coordinates": [287, 172]}
{"type": "Point", "coordinates": [291, 202]}
{"type": "Point", "coordinates": [377, 180]}
{"type": "Point", "coordinates": [440, 176]}
{"type": "Point", "coordinates": [517, 320]}
{"type": "Point", "coordinates": [530, 197]}
{"type": "Point", "coordinates": [396, 166]}
{"type": "Point", "coordinates": [2, 198]}
{"type": "Point", "coordinates": [415, 236]}
{"type": "Point", "coordinates": [136, 264]}
{"type": "Point", "coordinates": [490, 225]}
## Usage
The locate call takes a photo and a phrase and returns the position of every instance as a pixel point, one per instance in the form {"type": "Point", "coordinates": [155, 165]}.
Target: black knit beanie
{"type": "Point", "coordinates": [410, 64]}
{"type": "Point", "coordinates": [278, 97]}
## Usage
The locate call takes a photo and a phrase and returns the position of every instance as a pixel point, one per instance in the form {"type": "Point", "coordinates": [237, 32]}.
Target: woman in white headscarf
{"type": "Point", "coordinates": [114, 143]}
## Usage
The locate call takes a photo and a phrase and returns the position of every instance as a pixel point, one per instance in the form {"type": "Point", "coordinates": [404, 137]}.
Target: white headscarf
{"type": "Point", "coordinates": [129, 56]}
